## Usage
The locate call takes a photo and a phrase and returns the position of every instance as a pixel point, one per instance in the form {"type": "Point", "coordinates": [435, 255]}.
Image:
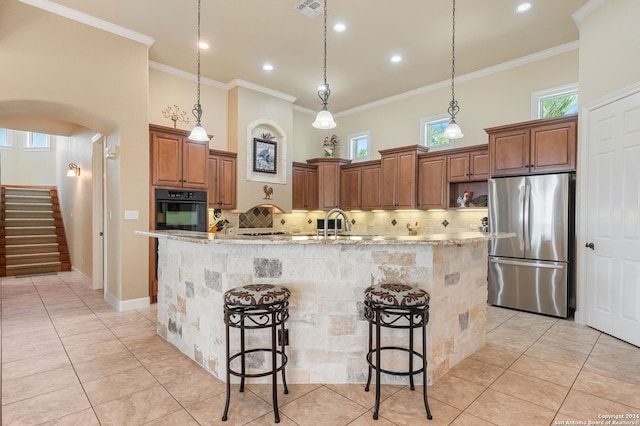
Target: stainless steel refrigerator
{"type": "Point", "coordinates": [535, 270]}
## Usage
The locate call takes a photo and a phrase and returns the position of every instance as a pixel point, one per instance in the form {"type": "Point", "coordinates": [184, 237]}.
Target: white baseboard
{"type": "Point", "coordinates": [127, 305]}
{"type": "Point", "coordinates": [77, 271]}
{"type": "Point", "coordinates": [578, 318]}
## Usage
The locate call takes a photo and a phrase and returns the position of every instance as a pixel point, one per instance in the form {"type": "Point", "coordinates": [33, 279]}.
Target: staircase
{"type": "Point", "coordinates": [32, 238]}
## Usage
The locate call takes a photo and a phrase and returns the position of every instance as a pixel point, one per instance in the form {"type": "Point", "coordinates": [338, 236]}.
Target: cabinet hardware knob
{"type": "Point", "coordinates": [590, 245]}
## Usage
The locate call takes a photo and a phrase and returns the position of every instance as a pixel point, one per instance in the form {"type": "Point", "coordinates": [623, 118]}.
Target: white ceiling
{"type": "Point", "coordinates": [243, 34]}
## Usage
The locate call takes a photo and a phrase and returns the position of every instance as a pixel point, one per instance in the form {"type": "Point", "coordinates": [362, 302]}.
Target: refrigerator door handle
{"type": "Point", "coordinates": [522, 213]}
{"type": "Point", "coordinates": [527, 237]}
{"type": "Point", "coordinates": [530, 264]}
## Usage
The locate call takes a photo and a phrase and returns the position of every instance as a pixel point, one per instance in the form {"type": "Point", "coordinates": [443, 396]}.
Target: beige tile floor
{"type": "Point", "coordinates": [69, 359]}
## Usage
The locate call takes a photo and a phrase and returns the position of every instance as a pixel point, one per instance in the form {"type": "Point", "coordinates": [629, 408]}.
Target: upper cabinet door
{"type": "Point", "coordinates": [553, 147]}
{"type": "Point", "coordinates": [458, 167]}
{"type": "Point", "coordinates": [432, 184]}
{"type": "Point", "coordinates": [166, 157]}
{"type": "Point", "coordinates": [370, 193]}
{"type": "Point", "coordinates": [479, 165]}
{"type": "Point", "coordinates": [222, 181]}
{"type": "Point", "coordinates": [195, 162]}
{"type": "Point", "coordinates": [509, 152]}
{"type": "Point", "coordinates": [350, 188]}
{"type": "Point", "coordinates": [305, 187]}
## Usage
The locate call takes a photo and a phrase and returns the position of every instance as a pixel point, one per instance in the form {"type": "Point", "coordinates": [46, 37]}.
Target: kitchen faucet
{"type": "Point", "coordinates": [347, 225]}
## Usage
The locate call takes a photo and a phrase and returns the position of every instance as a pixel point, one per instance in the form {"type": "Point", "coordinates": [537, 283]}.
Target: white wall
{"type": "Point", "coordinates": [76, 198]}
{"type": "Point", "coordinates": [609, 53]}
{"type": "Point", "coordinates": [22, 166]}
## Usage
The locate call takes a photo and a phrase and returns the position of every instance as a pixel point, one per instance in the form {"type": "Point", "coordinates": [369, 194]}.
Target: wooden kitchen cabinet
{"type": "Point", "coordinates": [360, 186]}
{"type": "Point", "coordinates": [177, 161]}
{"type": "Point", "coordinates": [432, 182]}
{"type": "Point", "coordinates": [371, 186]}
{"type": "Point", "coordinates": [222, 186]}
{"type": "Point", "coordinates": [531, 147]}
{"type": "Point", "coordinates": [305, 186]}
{"type": "Point", "coordinates": [328, 181]}
{"type": "Point", "coordinates": [351, 187]}
{"type": "Point", "coordinates": [468, 165]}
{"type": "Point", "coordinates": [399, 172]}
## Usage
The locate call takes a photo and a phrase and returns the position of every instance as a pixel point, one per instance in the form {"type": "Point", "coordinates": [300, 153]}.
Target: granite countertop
{"type": "Point", "coordinates": [436, 239]}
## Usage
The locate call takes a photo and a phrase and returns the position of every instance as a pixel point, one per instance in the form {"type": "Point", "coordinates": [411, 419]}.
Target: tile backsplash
{"type": "Point", "coordinates": [257, 217]}
{"type": "Point", "coordinates": [378, 223]}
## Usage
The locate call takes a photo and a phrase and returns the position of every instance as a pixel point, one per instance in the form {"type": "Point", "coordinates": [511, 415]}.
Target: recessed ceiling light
{"type": "Point", "coordinates": [396, 59]}
{"type": "Point", "coordinates": [203, 45]}
{"type": "Point", "coordinates": [267, 67]}
{"type": "Point", "coordinates": [339, 27]}
{"type": "Point", "coordinates": [523, 7]}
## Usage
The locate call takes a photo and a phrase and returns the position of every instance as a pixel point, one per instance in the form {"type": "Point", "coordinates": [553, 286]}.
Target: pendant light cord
{"type": "Point", "coordinates": [197, 110]}
{"type": "Point", "coordinates": [453, 105]}
{"type": "Point", "coordinates": [325, 92]}
{"type": "Point", "coordinates": [324, 68]}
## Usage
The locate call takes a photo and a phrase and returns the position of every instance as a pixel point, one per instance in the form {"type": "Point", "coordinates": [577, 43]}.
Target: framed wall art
{"type": "Point", "coordinates": [265, 156]}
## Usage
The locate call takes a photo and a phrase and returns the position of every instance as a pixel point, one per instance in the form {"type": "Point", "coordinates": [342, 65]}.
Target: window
{"type": "Point", "coordinates": [359, 146]}
{"type": "Point", "coordinates": [432, 132]}
{"type": "Point", "coordinates": [37, 141]}
{"type": "Point", "coordinates": [554, 102]}
{"type": "Point", "coordinates": [5, 139]}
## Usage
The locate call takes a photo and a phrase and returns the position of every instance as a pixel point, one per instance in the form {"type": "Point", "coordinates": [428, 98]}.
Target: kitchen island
{"type": "Point", "coordinates": [327, 278]}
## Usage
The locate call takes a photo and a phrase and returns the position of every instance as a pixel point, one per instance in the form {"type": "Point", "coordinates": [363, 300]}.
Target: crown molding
{"type": "Point", "coordinates": [92, 21]}
{"type": "Point", "coordinates": [466, 77]}
{"type": "Point", "coordinates": [186, 75]}
{"type": "Point", "coordinates": [585, 10]}
{"type": "Point", "coordinates": [261, 89]}
{"type": "Point", "coordinates": [305, 110]}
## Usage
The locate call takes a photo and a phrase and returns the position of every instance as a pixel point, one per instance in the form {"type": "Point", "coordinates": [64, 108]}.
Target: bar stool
{"type": "Point", "coordinates": [402, 307]}
{"type": "Point", "coordinates": [257, 306]}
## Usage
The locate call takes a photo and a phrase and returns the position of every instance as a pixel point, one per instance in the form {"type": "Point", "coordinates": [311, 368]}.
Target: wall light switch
{"type": "Point", "coordinates": [131, 215]}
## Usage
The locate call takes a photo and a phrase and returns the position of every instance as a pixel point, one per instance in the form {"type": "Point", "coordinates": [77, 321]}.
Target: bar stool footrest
{"type": "Point", "coordinates": [394, 373]}
{"type": "Point", "coordinates": [283, 359]}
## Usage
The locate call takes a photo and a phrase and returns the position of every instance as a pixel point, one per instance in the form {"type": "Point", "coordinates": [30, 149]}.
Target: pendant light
{"type": "Point", "coordinates": [324, 119]}
{"type": "Point", "coordinates": [453, 131]}
{"type": "Point", "coordinates": [198, 133]}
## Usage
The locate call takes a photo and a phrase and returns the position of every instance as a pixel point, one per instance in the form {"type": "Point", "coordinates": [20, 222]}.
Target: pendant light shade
{"type": "Point", "coordinates": [324, 119]}
{"type": "Point", "coordinates": [453, 130]}
{"type": "Point", "coordinates": [198, 133]}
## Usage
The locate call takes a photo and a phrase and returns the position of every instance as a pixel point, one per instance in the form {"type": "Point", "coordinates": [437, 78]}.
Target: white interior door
{"type": "Point", "coordinates": [611, 199]}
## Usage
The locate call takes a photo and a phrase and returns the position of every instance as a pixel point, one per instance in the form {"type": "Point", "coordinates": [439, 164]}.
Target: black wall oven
{"type": "Point", "coordinates": [178, 209]}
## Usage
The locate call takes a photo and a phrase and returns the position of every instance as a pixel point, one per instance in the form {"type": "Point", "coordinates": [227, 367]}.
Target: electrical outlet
{"type": "Point", "coordinates": [286, 337]}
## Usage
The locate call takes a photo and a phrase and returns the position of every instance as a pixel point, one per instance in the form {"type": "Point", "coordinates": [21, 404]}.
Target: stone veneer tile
{"type": "Point", "coordinates": [393, 258]}
{"type": "Point", "coordinates": [463, 320]}
{"type": "Point", "coordinates": [452, 279]}
{"type": "Point", "coordinates": [213, 279]}
{"type": "Point", "coordinates": [267, 268]}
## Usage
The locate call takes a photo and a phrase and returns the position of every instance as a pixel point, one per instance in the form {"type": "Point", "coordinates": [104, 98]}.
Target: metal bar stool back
{"type": "Point", "coordinates": [251, 307]}
{"type": "Point", "coordinates": [396, 306]}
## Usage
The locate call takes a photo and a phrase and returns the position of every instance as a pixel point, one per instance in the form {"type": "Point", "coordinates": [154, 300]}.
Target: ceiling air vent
{"type": "Point", "coordinates": [309, 8]}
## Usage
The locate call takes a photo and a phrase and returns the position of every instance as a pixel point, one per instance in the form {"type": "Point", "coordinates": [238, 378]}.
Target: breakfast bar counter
{"type": "Point", "coordinates": [327, 278]}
